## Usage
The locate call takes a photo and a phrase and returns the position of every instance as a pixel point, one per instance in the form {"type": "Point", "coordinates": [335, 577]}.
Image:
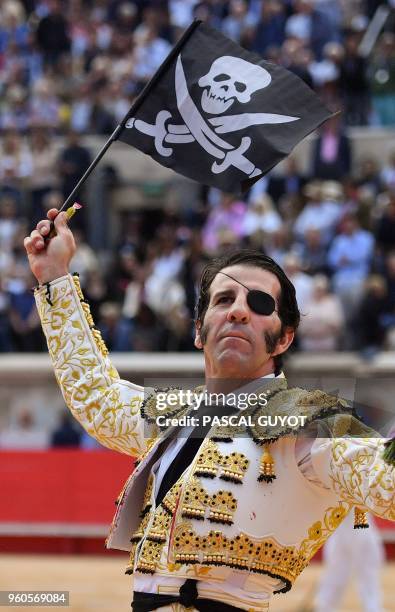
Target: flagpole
{"type": "Point", "coordinates": [135, 106]}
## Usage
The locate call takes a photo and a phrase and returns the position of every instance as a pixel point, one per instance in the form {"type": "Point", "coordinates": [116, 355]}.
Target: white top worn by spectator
{"type": "Point", "coordinates": [149, 55]}
{"type": "Point", "coordinates": [320, 329]}
{"type": "Point", "coordinates": [261, 216]}
{"type": "Point", "coordinates": [302, 282]}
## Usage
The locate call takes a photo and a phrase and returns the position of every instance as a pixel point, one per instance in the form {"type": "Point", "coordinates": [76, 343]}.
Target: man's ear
{"type": "Point", "coordinates": [198, 341]}
{"type": "Point", "coordinates": [284, 342]}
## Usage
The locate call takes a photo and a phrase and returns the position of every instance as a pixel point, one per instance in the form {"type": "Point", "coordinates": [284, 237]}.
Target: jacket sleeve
{"type": "Point", "coordinates": [353, 467]}
{"type": "Point", "coordinates": [106, 406]}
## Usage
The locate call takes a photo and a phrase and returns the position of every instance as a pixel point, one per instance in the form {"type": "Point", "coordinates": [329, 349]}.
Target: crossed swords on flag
{"type": "Point", "coordinates": [196, 129]}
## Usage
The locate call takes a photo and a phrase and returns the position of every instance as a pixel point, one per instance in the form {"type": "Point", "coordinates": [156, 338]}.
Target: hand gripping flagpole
{"type": "Point", "coordinates": [135, 106]}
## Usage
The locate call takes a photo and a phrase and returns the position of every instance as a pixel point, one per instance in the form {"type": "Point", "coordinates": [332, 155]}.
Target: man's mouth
{"type": "Point", "coordinates": [234, 335]}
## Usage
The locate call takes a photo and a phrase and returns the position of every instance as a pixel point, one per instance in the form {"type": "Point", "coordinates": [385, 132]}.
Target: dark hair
{"type": "Point", "coordinates": [288, 310]}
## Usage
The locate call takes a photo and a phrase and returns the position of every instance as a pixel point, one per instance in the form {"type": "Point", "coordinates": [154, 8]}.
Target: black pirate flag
{"type": "Point", "coordinates": [219, 114]}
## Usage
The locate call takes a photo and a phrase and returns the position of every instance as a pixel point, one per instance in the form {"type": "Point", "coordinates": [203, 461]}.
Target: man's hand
{"type": "Point", "coordinates": [50, 260]}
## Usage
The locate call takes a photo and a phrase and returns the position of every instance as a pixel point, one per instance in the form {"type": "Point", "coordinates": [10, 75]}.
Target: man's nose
{"type": "Point", "coordinates": [239, 311]}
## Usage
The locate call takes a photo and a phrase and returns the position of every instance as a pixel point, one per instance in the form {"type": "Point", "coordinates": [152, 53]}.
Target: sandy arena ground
{"type": "Point", "coordinates": [98, 583]}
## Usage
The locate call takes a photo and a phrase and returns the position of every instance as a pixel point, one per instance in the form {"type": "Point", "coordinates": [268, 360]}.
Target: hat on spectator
{"type": "Point", "coordinates": [332, 190]}
{"type": "Point", "coordinates": [312, 190]}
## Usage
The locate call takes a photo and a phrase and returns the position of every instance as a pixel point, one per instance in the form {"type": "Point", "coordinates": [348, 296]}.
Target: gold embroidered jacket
{"type": "Point", "coordinates": [221, 516]}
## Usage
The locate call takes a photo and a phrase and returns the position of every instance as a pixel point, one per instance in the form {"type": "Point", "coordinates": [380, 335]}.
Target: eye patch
{"type": "Point", "coordinates": [259, 301]}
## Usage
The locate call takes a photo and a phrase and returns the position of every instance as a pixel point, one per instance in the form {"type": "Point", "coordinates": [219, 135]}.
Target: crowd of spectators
{"type": "Point", "coordinates": [74, 68]}
{"type": "Point", "coordinates": [335, 239]}
{"type": "Point", "coordinates": [80, 64]}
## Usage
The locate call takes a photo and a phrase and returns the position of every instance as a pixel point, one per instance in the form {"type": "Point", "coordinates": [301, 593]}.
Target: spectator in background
{"type": "Point", "coordinates": [385, 231]}
{"type": "Point", "coordinates": [311, 26]}
{"type": "Point", "coordinates": [44, 171]}
{"type": "Point", "coordinates": [312, 252]}
{"type": "Point", "coordinates": [149, 53]}
{"type": "Point", "coordinates": [85, 260]}
{"type": "Point", "coordinates": [389, 276]}
{"type": "Point", "coordinates": [321, 328]}
{"type": "Point", "coordinates": [53, 33]}
{"type": "Point", "coordinates": [228, 215]}
{"type": "Point", "coordinates": [5, 330]}
{"type": "Point", "coordinates": [24, 435]}
{"type": "Point", "coordinates": [74, 160]}
{"type": "Point", "coordinates": [331, 158]}
{"type": "Point", "coordinates": [44, 104]}
{"type": "Point", "coordinates": [16, 110]}
{"type": "Point", "coordinates": [9, 223]}
{"type": "Point", "coordinates": [302, 282]}
{"type": "Point", "coordinates": [15, 164]}
{"type": "Point", "coordinates": [95, 290]}
{"type": "Point", "coordinates": [382, 80]}
{"type": "Point", "coordinates": [353, 83]}
{"type": "Point", "coordinates": [387, 175]}
{"type": "Point", "coordinates": [321, 212]}
{"type": "Point", "coordinates": [349, 258]}
{"type": "Point", "coordinates": [370, 330]}
{"type": "Point", "coordinates": [148, 332]}
{"type": "Point", "coordinates": [270, 29]}
{"type": "Point", "coordinates": [23, 316]}
{"type": "Point", "coordinates": [67, 434]}
{"type": "Point", "coordinates": [261, 219]}
{"type": "Point", "coordinates": [368, 175]}
{"type": "Point", "coordinates": [289, 182]}
{"type": "Point", "coordinates": [238, 21]}
{"type": "Point", "coordinates": [13, 27]}
{"type": "Point", "coordinates": [115, 330]}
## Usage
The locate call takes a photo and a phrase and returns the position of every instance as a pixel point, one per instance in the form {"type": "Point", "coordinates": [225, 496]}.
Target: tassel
{"type": "Point", "coordinates": [389, 452]}
{"type": "Point", "coordinates": [266, 468]}
{"type": "Point", "coordinates": [360, 519]}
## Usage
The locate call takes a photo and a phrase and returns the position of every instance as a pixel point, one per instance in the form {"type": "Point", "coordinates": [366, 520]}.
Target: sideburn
{"type": "Point", "coordinates": [271, 339]}
{"type": "Point", "coordinates": [204, 333]}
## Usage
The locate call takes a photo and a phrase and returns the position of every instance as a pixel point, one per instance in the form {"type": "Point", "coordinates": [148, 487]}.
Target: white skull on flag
{"type": "Point", "coordinates": [229, 79]}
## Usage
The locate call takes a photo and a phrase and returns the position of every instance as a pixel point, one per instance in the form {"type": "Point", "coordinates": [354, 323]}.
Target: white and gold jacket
{"type": "Point", "coordinates": [223, 515]}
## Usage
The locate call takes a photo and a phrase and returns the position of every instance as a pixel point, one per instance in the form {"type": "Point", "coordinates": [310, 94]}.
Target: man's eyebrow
{"type": "Point", "coordinates": [223, 292]}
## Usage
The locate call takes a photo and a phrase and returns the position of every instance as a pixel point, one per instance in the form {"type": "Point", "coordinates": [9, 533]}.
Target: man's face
{"type": "Point", "coordinates": [236, 341]}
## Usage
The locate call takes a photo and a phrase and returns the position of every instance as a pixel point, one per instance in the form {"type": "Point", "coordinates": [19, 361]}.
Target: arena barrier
{"type": "Point", "coordinates": [62, 501]}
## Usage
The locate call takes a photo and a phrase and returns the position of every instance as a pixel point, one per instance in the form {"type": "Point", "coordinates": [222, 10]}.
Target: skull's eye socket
{"type": "Point", "coordinates": [221, 77]}
{"type": "Point", "coordinates": [240, 87]}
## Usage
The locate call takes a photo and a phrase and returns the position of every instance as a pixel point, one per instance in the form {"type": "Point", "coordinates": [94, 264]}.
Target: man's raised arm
{"type": "Point", "coordinates": [106, 406]}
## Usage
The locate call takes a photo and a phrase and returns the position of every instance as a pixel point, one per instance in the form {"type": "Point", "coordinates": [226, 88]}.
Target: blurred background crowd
{"type": "Point", "coordinates": [74, 68]}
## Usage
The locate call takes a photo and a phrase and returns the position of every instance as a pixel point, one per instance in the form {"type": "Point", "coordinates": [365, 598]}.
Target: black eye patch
{"type": "Point", "coordinates": [260, 302]}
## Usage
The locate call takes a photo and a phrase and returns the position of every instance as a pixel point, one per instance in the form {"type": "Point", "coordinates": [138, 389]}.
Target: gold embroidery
{"type": "Point", "coordinates": [87, 312]}
{"type": "Point", "coordinates": [360, 519]}
{"type": "Point", "coordinates": [170, 500]}
{"type": "Point", "coordinates": [264, 556]}
{"type": "Point", "coordinates": [208, 461]}
{"type": "Point", "coordinates": [362, 477]}
{"type": "Point", "coordinates": [222, 505]}
{"type": "Point", "coordinates": [147, 496]}
{"type": "Point", "coordinates": [108, 408]}
{"type": "Point", "coordinates": [320, 531]}
{"type": "Point", "coordinates": [266, 466]}
{"type": "Point", "coordinates": [211, 462]}
{"type": "Point", "coordinates": [196, 500]}
{"type": "Point", "coordinates": [151, 549]}
{"type": "Point", "coordinates": [234, 467]}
